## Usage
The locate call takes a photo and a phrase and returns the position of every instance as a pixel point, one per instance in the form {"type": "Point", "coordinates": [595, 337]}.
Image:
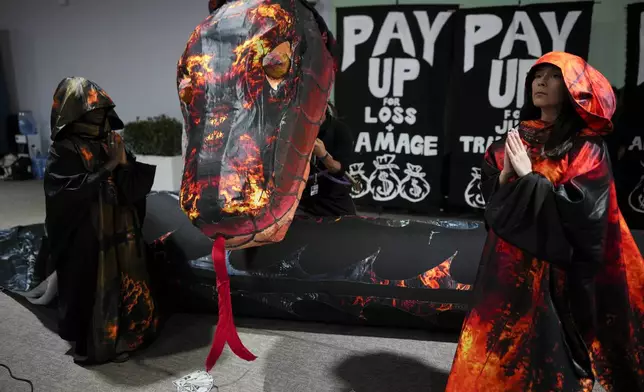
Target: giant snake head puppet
{"type": "Point", "coordinates": [253, 84]}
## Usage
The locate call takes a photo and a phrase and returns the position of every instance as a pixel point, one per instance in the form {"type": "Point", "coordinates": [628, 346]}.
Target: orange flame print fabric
{"type": "Point", "coordinates": [560, 300]}
{"type": "Point", "coordinates": [589, 89]}
{"type": "Point", "coordinates": [253, 84]}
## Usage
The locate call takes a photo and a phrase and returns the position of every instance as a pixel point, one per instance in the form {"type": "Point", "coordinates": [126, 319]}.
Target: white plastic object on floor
{"type": "Point", "coordinates": [199, 381]}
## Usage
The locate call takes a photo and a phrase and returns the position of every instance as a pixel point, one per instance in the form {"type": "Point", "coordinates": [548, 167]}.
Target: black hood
{"type": "Point", "coordinates": [74, 97]}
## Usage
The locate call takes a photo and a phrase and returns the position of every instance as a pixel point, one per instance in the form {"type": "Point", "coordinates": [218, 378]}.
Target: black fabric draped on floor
{"type": "Point", "coordinates": [352, 270]}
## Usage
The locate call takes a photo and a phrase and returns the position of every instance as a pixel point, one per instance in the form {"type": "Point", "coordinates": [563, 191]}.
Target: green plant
{"type": "Point", "coordinates": [159, 135]}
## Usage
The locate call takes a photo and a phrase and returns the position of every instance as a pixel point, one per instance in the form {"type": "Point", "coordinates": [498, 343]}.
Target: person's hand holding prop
{"type": "Point", "coordinates": [518, 154]}
{"type": "Point", "coordinates": [319, 150]}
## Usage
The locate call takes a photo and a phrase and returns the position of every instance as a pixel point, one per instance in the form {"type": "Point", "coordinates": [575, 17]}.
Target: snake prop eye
{"type": "Point", "coordinates": [277, 63]}
{"type": "Point", "coordinates": [185, 91]}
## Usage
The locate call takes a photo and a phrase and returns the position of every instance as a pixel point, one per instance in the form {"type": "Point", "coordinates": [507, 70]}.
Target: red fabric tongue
{"type": "Point", "coordinates": [225, 332]}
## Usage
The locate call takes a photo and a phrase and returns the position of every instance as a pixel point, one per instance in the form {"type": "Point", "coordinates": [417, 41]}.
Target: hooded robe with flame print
{"type": "Point", "coordinates": [253, 84]}
{"type": "Point", "coordinates": [560, 288]}
{"type": "Point", "coordinates": [93, 220]}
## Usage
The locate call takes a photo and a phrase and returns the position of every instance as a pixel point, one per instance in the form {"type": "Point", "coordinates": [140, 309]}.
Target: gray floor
{"type": "Point", "coordinates": [292, 357]}
{"type": "Point", "coordinates": [21, 203]}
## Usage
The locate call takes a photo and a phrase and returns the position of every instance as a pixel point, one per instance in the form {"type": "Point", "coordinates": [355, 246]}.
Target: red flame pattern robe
{"type": "Point", "coordinates": [560, 288]}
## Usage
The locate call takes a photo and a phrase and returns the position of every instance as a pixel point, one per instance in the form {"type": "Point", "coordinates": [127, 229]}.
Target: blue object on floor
{"type": "Point", "coordinates": [38, 165]}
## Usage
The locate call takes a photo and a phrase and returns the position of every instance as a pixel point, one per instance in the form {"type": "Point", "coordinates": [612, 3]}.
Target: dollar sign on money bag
{"type": "Point", "coordinates": [356, 171]}
{"type": "Point", "coordinates": [473, 196]}
{"type": "Point", "coordinates": [636, 197]}
{"type": "Point", "coordinates": [414, 187]}
{"type": "Point", "coordinates": [384, 182]}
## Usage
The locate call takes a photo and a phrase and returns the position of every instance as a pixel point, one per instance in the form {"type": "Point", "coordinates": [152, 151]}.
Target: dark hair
{"type": "Point", "coordinates": [567, 125]}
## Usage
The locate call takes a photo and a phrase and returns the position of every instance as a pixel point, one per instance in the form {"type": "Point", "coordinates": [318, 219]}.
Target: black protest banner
{"type": "Point", "coordinates": [496, 47]}
{"type": "Point", "coordinates": [629, 167]}
{"type": "Point", "coordinates": [635, 44]}
{"type": "Point", "coordinates": [390, 90]}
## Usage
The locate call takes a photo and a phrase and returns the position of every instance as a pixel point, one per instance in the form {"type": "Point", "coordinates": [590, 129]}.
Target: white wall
{"type": "Point", "coordinates": [129, 47]}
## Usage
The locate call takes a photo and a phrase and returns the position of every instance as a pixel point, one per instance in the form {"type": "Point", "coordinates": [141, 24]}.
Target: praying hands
{"type": "Point", "coordinates": [517, 154]}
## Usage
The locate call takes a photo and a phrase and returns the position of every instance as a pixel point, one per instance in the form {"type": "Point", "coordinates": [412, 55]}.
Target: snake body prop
{"type": "Point", "coordinates": [253, 84]}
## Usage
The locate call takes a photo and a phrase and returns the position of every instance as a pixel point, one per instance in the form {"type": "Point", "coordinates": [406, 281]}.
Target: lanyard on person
{"type": "Point", "coordinates": [315, 188]}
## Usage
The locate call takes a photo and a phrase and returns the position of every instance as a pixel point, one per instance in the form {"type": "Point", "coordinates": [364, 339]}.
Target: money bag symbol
{"type": "Point", "coordinates": [473, 195]}
{"type": "Point", "coordinates": [383, 181]}
{"type": "Point", "coordinates": [636, 197]}
{"type": "Point", "coordinates": [414, 187]}
{"type": "Point", "coordinates": [356, 171]}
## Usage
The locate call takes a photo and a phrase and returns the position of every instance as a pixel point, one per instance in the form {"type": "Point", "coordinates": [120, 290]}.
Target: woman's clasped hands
{"type": "Point", "coordinates": [116, 148]}
{"type": "Point", "coordinates": [516, 159]}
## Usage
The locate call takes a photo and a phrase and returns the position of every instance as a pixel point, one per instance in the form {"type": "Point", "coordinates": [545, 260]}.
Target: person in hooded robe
{"type": "Point", "coordinates": [95, 204]}
{"type": "Point", "coordinates": [559, 298]}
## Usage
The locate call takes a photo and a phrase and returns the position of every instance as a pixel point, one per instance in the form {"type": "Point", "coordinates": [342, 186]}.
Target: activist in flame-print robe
{"type": "Point", "coordinates": [560, 287]}
{"type": "Point", "coordinates": [93, 221]}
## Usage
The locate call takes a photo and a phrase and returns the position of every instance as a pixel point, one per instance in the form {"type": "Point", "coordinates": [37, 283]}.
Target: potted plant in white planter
{"type": "Point", "coordinates": [157, 141]}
